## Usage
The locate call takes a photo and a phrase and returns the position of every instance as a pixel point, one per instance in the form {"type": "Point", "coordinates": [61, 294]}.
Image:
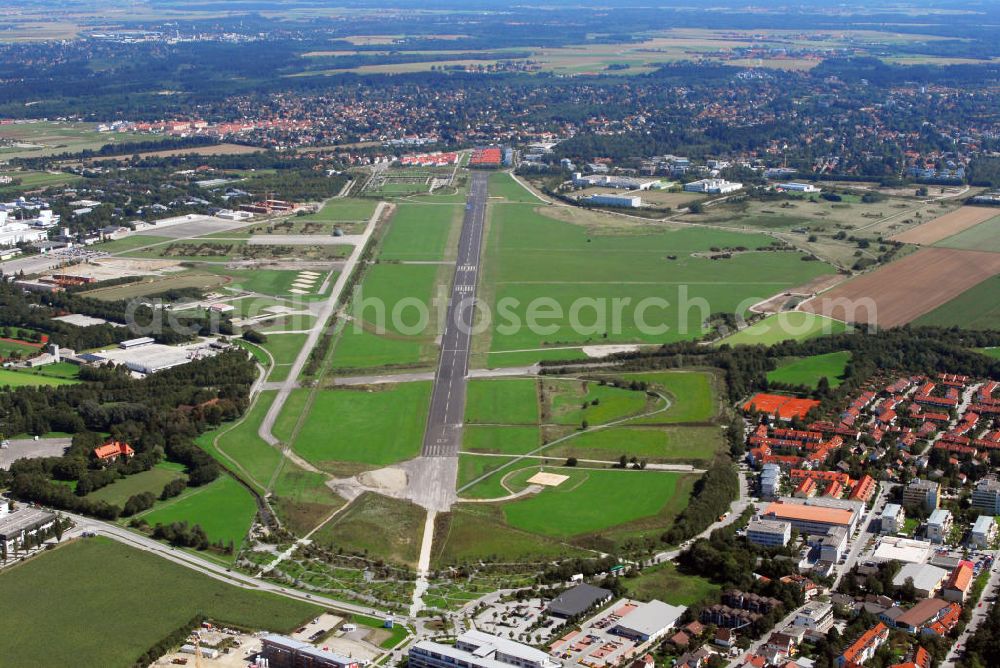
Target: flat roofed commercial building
{"type": "Point", "coordinates": [811, 518]}
{"type": "Point", "coordinates": [769, 533]}
{"type": "Point", "coordinates": [650, 621]}
{"type": "Point", "coordinates": [475, 649]}
{"type": "Point", "coordinates": [17, 525]}
{"type": "Point", "coordinates": [285, 652]}
{"type": "Point", "coordinates": [906, 550]}
{"type": "Point", "coordinates": [577, 600]}
{"type": "Point", "coordinates": [926, 579]}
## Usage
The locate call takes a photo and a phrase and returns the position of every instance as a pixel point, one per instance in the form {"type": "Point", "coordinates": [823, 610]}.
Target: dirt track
{"type": "Point", "coordinates": [945, 226]}
{"type": "Point", "coordinates": [902, 291]}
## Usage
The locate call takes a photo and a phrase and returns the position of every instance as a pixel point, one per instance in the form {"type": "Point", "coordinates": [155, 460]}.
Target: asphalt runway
{"type": "Point", "coordinates": [443, 435]}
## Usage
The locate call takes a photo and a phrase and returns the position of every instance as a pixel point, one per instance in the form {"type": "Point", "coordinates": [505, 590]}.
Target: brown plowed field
{"type": "Point", "coordinates": [945, 226]}
{"type": "Point", "coordinates": [901, 291]}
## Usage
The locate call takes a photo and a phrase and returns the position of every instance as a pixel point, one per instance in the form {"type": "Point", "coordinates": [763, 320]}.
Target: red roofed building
{"type": "Point", "coordinates": [805, 489]}
{"type": "Point", "coordinates": [863, 490]}
{"type": "Point", "coordinates": [864, 648]}
{"type": "Point", "coordinates": [957, 586]}
{"type": "Point", "coordinates": [945, 622]}
{"type": "Point", "coordinates": [110, 452]}
{"type": "Point", "coordinates": [921, 659]}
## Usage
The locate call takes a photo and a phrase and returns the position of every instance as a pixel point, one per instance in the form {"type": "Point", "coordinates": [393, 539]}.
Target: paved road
{"type": "Point", "coordinates": [443, 435]}
{"type": "Point", "coordinates": [322, 318]}
{"type": "Point", "coordinates": [866, 532]}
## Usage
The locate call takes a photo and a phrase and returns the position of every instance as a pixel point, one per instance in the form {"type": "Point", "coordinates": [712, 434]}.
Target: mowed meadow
{"type": "Point", "coordinates": [664, 281]}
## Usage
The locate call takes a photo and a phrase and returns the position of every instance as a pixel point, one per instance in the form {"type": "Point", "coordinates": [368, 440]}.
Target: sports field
{"type": "Point", "coordinates": [223, 508]}
{"type": "Point", "coordinates": [808, 370]}
{"type": "Point", "coordinates": [151, 595]}
{"type": "Point", "coordinates": [553, 282]}
{"type": "Point", "coordinates": [15, 379]}
{"type": "Point", "coordinates": [976, 308]}
{"type": "Point", "coordinates": [364, 428]}
{"type": "Point", "coordinates": [570, 509]}
{"type": "Point", "coordinates": [794, 325]}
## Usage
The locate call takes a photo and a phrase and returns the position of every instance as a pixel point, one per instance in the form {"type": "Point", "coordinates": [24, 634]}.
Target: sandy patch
{"type": "Point", "coordinates": [388, 479]}
{"type": "Point", "coordinates": [548, 479]}
{"type": "Point", "coordinates": [604, 351]}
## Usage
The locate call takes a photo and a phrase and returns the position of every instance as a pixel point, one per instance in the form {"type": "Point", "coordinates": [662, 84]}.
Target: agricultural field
{"type": "Point", "coordinates": [808, 370]}
{"type": "Point", "coordinates": [976, 308]}
{"type": "Point", "coordinates": [14, 379]}
{"type": "Point", "coordinates": [778, 327]}
{"type": "Point", "coordinates": [608, 283]}
{"type": "Point", "coordinates": [223, 508]}
{"type": "Point", "coordinates": [377, 525]}
{"type": "Point", "coordinates": [950, 224]}
{"type": "Point", "coordinates": [902, 291]}
{"type": "Point", "coordinates": [340, 435]}
{"type": "Point", "coordinates": [43, 138]}
{"type": "Point", "coordinates": [153, 480]}
{"type": "Point", "coordinates": [983, 237]}
{"type": "Point", "coordinates": [29, 180]}
{"type": "Point", "coordinates": [154, 595]}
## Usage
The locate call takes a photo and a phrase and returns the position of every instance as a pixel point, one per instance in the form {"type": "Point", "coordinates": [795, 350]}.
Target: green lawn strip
{"type": "Point", "coordinates": [472, 466]}
{"type": "Point", "coordinates": [501, 360]}
{"type": "Point", "coordinates": [976, 308]}
{"type": "Point", "coordinates": [156, 596]}
{"type": "Point", "coordinates": [374, 426]}
{"type": "Point", "coordinates": [364, 350]}
{"type": "Point", "coordinates": [691, 394]}
{"type": "Point", "coordinates": [378, 526]}
{"type": "Point", "coordinates": [285, 347]}
{"type": "Point", "coordinates": [508, 440]}
{"type": "Point", "coordinates": [697, 445]}
{"type": "Point", "coordinates": [663, 582]}
{"type": "Point", "coordinates": [991, 352]}
{"type": "Point", "coordinates": [808, 370]}
{"type": "Point", "coordinates": [474, 531]}
{"type": "Point", "coordinates": [16, 379]}
{"type": "Point", "coordinates": [396, 634]}
{"type": "Point", "coordinates": [223, 508]}
{"type": "Point", "coordinates": [570, 509]}
{"type": "Point", "coordinates": [419, 232]}
{"type": "Point", "coordinates": [502, 184]}
{"type": "Point", "coordinates": [64, 370]}
{"type": "Point", "coordinates": [502, 401]}
{"type": "Point", "coordinates": [340, 209]}
{"type": "Point", "coordinates": [291, 413]}
{"type": "Point", "coordinates": [153, 480]}
{"type": "Point", "coordinates": [794, 325]}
